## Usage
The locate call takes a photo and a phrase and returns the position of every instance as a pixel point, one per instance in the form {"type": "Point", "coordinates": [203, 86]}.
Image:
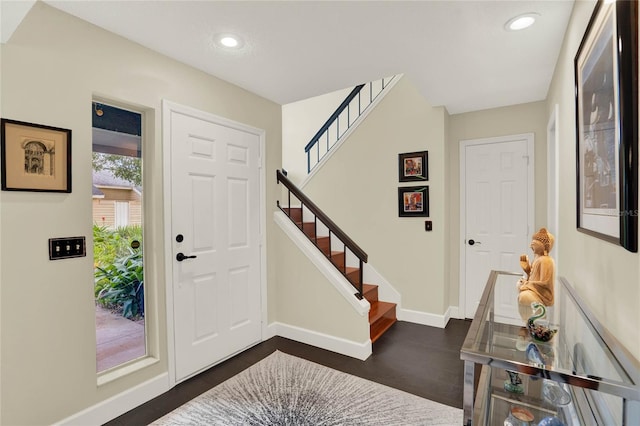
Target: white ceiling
{"type": "Point", "coordinates": [457, 53]}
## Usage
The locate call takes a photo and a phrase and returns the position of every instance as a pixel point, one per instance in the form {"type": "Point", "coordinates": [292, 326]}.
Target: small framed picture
{"type": "Point", "coordinates": [413, 166]}
{"type": "Point", "coordinates": [35, 157]}
{"type": "Point", "coordinates": [413, 201]}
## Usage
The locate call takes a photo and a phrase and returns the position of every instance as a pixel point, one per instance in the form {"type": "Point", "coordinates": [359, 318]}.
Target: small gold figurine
{"type": "Point", "coordinates": [538, 284]}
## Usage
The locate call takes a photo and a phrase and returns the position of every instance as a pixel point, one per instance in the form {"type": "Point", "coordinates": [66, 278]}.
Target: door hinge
{"type": "Point", "coordinates": [527, 157]}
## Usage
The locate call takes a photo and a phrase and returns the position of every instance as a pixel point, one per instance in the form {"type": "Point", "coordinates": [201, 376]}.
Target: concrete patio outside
{"type": "Point", "coordinates": [118, 340]}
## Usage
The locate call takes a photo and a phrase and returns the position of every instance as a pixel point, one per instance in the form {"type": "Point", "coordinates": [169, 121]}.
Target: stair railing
{"type": "Point", "coordinates": [353, 106]}
{"type": "Point", "coordinates": [334, 230]}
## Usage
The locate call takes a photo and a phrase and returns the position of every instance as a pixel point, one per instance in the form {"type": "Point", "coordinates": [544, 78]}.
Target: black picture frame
{"type": "Point", "coordinates": [413, 201]}
{"type": "Point", "coordinates": [35, 157]}
{"type": "Point", "coordinates": [413, 166]}
{"type": "Point", "coordinates": [606, 95]}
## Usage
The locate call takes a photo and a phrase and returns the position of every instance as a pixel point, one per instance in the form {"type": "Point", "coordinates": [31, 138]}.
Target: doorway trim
{"type": "Point", "coordinates": [553, 176]}
{"type": "Point", "coordinates": [169, 107]}
{"type": "Point", "coordinates": [463, 208]}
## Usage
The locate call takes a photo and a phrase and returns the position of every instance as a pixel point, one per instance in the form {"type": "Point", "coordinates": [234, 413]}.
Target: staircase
{"type": "Point", "coordinates": [382, 315]}
{"type": "Point", "coordinates": [355, 106]}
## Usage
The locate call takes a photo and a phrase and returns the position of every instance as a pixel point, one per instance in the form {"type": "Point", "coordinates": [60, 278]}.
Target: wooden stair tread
{"type": "Point", "coordinates": [382, 316]}
{"type": "Point", "coordinates": [370, 292]}
{"type": "Point", "coordinates": [309, 228]}
{"type": "Point", "coordinates": [368, 287]}
{"type": "Point", "coordinates": [379, 309]}
{"type": "Point", "coordinates": [323, 243]}
{"type": "Point", "coordinates": [377, 330]}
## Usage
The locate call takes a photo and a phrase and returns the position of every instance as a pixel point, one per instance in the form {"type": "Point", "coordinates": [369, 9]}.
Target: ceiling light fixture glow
{"type": "Point", "coordinates": [229, 41]}
{"type": "Point", "coordinates": [521, 22]}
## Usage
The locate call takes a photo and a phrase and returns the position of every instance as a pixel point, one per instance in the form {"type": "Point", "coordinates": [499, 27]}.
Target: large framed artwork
{"type": "Point", "coordinates": [606, 75]}
{"type": "Point", "coordinates": [35, 157]}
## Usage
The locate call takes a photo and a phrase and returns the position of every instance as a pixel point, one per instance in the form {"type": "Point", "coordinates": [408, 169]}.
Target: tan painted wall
{"type": "Point", "coordinates": [307, 300]}
{"type": "Point", "coordinates": [605, 275]}
{"type": "Point", "coordinates": [51, 69]}
{"type": "Point", "coordinates": [358, 189]}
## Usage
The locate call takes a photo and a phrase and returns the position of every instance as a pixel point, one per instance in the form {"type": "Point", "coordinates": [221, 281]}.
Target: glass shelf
{"type": "Point", "coordinates": [582, 360]}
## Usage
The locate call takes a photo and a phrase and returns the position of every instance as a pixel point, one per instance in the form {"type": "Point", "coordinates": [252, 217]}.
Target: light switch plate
{"type": "Point", "coordinates": [67, 247]}
{"type": "Point", "coordinates": [428, 226]}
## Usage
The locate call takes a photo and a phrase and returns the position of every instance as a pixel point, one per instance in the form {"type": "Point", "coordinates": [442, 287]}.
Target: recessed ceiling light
{"type": "Point", "coordinates": [521, 22]}
{"type": "Point", "coordinates": [230, 41]}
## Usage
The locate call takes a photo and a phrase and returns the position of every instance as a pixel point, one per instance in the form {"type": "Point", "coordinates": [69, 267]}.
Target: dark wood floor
{"type": "Point", "coordinates": [422, 360]}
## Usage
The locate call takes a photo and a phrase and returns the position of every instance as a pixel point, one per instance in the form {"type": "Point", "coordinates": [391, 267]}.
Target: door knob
{"type": "Point", "coordinates": [472, 242]}
{"type": "Point", "coordinates": [180, 257]}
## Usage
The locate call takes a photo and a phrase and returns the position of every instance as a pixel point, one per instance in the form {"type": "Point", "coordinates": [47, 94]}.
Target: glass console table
{"type": "Point", "coordinates": [583, 376]}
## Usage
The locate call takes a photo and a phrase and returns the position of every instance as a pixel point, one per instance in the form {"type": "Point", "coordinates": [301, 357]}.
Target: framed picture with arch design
{"type": "Point", "coordinates": [35, 157]}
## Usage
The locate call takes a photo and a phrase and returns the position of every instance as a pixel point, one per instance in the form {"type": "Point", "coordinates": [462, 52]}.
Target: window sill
{"type": "Point", "coordinates": [125, 369]}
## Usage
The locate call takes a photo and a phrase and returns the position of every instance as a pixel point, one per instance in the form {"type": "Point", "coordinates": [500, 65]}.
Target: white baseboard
{"type": "Point", "coordinates": [454, 312]}
{"type": "Point", "coordinates": [360, 351]}
{"type": "Point", "coordinates": [424, 318]}
{"type": "Point", "coordinates": [120, 403]}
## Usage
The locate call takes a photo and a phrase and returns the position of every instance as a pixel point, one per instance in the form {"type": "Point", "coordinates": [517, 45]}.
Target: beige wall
{"type": "Point", "coordinates": [51, 68]}
{"type": "Point", "coordinates": [358, 189]}
{"type": "Point", "coordinates": [306, 299]}
{"type": "Point", "coordinates": [526, 118]}
{"type": "Point", "coordinates": [606, 275]}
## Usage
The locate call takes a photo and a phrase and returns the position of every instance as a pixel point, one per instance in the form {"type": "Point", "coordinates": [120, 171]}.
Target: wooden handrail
{"type": "Point", "coordinates": [335, 229]}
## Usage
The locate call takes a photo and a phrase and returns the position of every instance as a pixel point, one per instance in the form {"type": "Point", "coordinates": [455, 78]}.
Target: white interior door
{"type": "Point", "coordinates": [215, 209]}
{"type": "Point", "coordinates": [496, 215]}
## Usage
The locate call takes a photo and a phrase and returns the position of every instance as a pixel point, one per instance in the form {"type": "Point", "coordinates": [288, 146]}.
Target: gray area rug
{"type": "Point", "coordinates": [286, 390]}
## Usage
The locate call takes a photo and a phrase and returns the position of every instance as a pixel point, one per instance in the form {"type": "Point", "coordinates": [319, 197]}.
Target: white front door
{"type": "Point", "coordinates": [496, 214]}
{"type": "Point", "coordinates": [215, 217]}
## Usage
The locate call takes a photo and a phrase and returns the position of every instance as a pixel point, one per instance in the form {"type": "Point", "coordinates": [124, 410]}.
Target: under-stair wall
{"type": "Point", "coordinates": [312, 307]}
{"type": "Point", "coordinates": [358, 188]}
